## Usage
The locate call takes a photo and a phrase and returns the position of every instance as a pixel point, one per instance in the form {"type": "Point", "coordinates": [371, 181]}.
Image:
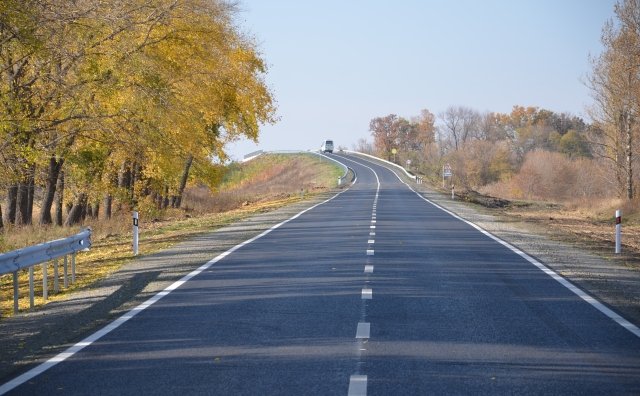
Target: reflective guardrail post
{"type": "Point", "coordinates": [135, 233]}
{"type": "Point", "coordinates": [618, 231]}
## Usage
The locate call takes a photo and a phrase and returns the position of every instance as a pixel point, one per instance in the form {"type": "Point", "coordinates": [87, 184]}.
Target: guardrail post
{"type": "Point", "coordinates": [56, 275]}
{"type": "Point", "coordinates": [15, 292]}
{"type": "Point", "coordinates": [73, 267]}
{"type": "Point", "coordinates": [65, 276]}
{"type": "Point", "coordinates": [135, 233]}
{"type": "Point", "coordinates": [45, 281]}
{"type": "Point", "coordinates": [618, 231]}
{"type": "Point", "coordinates": [31, 287]}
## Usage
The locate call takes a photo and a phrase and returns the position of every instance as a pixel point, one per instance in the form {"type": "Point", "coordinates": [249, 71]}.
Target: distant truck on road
{"type": "Point", "coordinates": [327, 146]}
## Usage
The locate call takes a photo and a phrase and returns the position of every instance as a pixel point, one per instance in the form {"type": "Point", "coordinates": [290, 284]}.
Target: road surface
{"type": "Point", "coordinates": [376, 291]}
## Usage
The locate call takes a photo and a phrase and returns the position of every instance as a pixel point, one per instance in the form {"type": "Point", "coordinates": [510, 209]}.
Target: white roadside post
{"type": "Point", "coordinates": [135, 233]}
{"type": "Point", "coordinates": [618, 230]}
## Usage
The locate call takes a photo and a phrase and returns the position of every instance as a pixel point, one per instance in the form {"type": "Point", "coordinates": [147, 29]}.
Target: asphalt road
{"type": "Point", "coordinates": [376, 291]}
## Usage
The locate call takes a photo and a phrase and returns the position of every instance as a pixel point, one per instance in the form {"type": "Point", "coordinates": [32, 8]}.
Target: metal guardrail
{"type": "Point", "coordinates": [409, 175]}
{"type": "Point", "coordinates": [14, 261]}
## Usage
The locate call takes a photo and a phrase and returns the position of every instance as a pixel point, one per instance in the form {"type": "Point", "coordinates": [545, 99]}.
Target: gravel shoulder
{"type": "Point", "coordinates": [612, 281]}
{"type": "Point", "coordinates": [32, 337]}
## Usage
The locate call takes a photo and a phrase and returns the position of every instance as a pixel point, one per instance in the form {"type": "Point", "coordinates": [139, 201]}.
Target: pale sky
{"type": "Point", "coordinates": [335, 65]}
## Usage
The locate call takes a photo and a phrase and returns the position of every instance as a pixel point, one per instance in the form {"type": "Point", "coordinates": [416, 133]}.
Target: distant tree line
{"type": "Point", "coordinates": [489, 148]}
{"type": "Point", "coordinates": [121, 103]}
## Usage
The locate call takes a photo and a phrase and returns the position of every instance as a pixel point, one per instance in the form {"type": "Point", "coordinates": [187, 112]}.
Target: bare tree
{"type": "Point", "coordinates": [615, 87]}
{"type": "Point", "coordinates": [461, 124]}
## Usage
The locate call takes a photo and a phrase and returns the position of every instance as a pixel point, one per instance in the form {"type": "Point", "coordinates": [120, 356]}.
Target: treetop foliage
{"type": "Point", "coordinates": [140, 87]}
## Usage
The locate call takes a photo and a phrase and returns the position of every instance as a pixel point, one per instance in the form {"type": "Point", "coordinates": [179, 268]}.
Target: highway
{"type": "Point", "coordinates": [376, 291]}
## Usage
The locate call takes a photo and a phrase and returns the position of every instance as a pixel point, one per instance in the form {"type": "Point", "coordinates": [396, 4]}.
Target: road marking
{"type": "Point", "coordinates": [558, 278]}
{"type": "Point", "coordinates": [373, 221]}
{"type": "Point", "coordinates": [72, 350]}
{"type": "Point", "coordinates": [368, 269]}
{"type": "Point", "coordinates": [367, 294]}
{"type": "Point", "coordinates": [357, 385]}
{"type": "Point", "coordinates": [363, 331]}
{"type": "Point", "coordinates": [372, 226]}
{"type": "Point", "coordinates": [371, 241]}
{"type": "Point", "coordinates": [369, 252]}
{"type": "Point", "coordinates": [372, 233]}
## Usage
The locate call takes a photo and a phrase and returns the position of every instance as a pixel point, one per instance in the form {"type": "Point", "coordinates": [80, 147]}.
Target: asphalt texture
{"type": "Point", "coordinates": [376, 291]}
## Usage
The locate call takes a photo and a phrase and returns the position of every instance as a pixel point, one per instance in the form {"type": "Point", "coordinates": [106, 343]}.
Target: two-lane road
{"type": "Point", "coordinates": [375, 291]}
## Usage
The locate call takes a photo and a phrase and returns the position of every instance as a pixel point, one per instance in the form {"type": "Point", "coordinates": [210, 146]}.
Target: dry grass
{"type": "Point", "coordinates": [590, 225]}
{"type": "Point", "coordinates": [265, 178]}
{"type": "Point", "coordinates": [251, 188]}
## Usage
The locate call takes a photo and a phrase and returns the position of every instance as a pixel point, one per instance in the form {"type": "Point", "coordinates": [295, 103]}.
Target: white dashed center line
{"type": "Point", "coordinates": [369, 252]}
{"type": "Point", "coordinates": [368, 269]}
{"type": "Point", "coordinates": [363, 331]}
{"type": "Point", "coordinates": [367, 294]}
{"type": "Point", "coordinates": [371, 241]}
{"type": "Point", "coordinates": [357, 385]}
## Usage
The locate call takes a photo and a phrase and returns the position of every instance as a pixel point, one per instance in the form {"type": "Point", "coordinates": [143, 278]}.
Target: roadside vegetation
{"type": "Point", "coordinates": [260, 185]}
{"type": "Point", "coordinates": [544, 165]}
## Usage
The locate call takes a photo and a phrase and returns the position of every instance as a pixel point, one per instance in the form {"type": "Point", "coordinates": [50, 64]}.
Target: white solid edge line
{"type": "Point", "coordinates": [564, 282]}
{"type": "Point", "coordinates": [72, 350]}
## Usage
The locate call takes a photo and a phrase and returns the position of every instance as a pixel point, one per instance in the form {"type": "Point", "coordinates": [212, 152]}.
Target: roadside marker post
{"type": "Point", "coordinates": [618, 231]}
{"type": "Point", "coordinates": [135, 233]}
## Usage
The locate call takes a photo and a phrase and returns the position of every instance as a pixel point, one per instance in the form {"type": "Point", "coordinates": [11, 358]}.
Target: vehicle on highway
{"type": "Point", "coordinates": [327, 146]}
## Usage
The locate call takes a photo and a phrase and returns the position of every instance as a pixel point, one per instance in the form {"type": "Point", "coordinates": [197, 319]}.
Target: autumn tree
{"type": "Point", "coordinates": [385, 134]}
{"type": "Point", "coordinates": [123, 98]}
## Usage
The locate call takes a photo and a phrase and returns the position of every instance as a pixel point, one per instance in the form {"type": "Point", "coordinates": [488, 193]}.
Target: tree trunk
{"type": "Point", "coordinates": [165, 200]}
{"type": "Point", "coordinates": [95, 210]}
{"type": "Point", "coordinates": [108, 201]}
{"type": "Point", "coordinates": [12, 194]}
{"type": "Point", "coordinates": [22, 203]}
{"type": "Point", "coordinates": [50, 189]}
{"type": "Point", "coordinates": [76, 212]}
{"type": "Point", "coordinates": [31, 190]}
{"type": "Point", "coordinates": [1, 222]}
{"type": "Point", "coordinates": [183, 180]}
{"type": "Point", "coordinates": [629, 156]}
{"type": "Point", "coordinates": [59, 198]}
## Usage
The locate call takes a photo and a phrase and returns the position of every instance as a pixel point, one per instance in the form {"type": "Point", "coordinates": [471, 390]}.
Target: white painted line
{"type": "Point", "coordinates": [357, 385]}
{"type": "Point", "coordinates": [371, 241]}
{"type": "Point", "coordinates": [62, 356]}
{"type": "Point", "coordinates": [369, 252]}
{"type": "Point", "coordinates": [367, 294]}
{"type": "Point", "coordinates": [368, 269]}
{"type": "Point", "coordinates": [372, 226]}
{"type": "Point", "coordinates": [564, 282]}
{"type": "Point", "coordinates": [372, 233]}
{"type": "Point", "coordinates": [373, 221]}
{"type": "Point", "coordinates": [363, 331]}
